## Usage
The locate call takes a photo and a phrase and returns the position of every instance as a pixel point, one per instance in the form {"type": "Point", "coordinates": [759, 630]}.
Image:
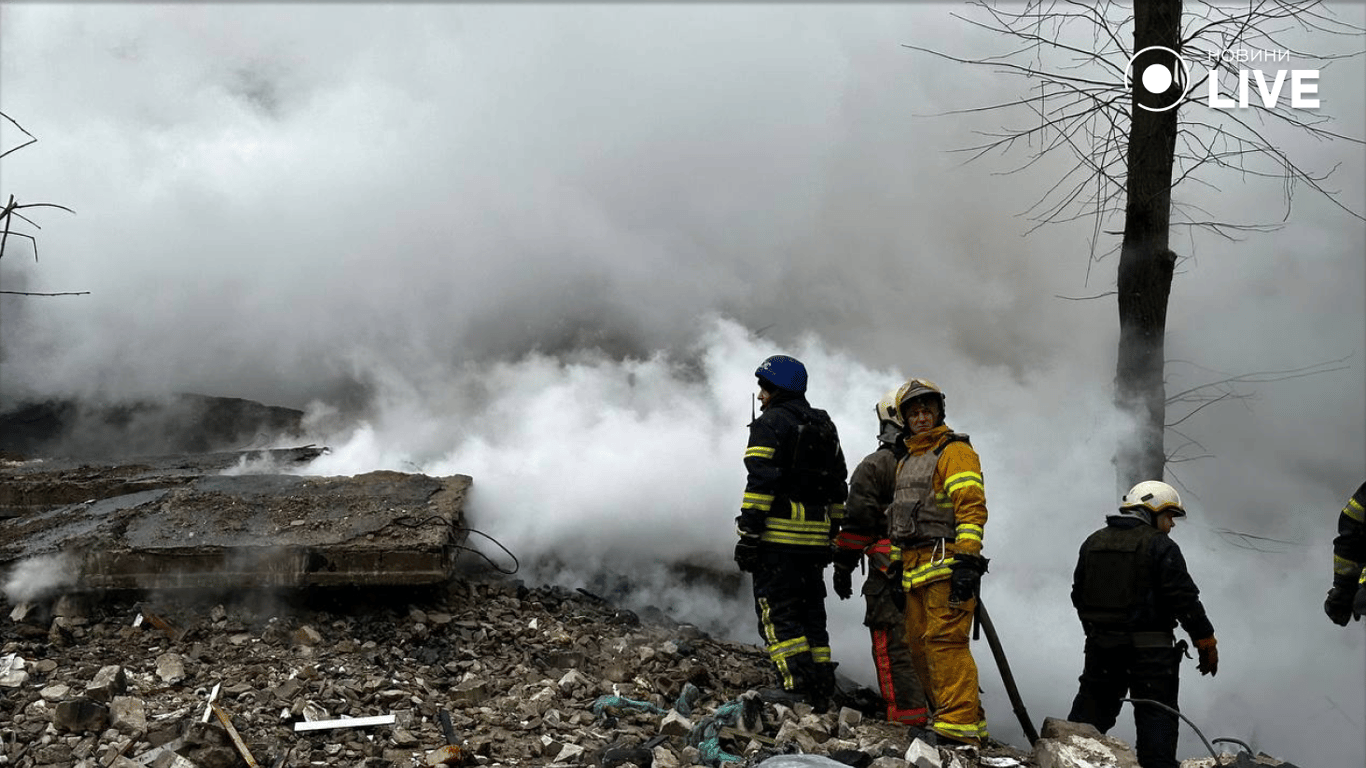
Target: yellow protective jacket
{"type": "Point", "coordinates": [957, 485]}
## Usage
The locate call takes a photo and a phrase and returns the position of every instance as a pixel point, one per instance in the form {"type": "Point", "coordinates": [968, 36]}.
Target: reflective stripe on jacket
{"type": "Point", "coordinates": [957, 510]}
{"type": "Point", "coordinates": [767, 511]}
{"type": "Point", "coordinates": [1349, 547]}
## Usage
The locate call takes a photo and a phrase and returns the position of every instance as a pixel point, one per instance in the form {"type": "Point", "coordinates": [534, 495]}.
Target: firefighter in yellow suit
{"type": "Point", "coordinates": [937, 518]}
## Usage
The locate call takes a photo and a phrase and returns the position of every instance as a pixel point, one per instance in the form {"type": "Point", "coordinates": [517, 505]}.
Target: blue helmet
{"type": "Point", "coordinates": [783, 372]}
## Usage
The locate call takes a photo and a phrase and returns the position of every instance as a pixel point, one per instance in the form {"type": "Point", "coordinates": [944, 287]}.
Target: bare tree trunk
{"type": "Point", "coordinates": [1146, 263]}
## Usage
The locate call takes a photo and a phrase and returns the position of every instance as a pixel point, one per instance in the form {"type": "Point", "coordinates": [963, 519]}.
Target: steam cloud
{"type": "Point", "coordinates": [547, 246]}
{"type": "Point", "coordinates": [37, 577]}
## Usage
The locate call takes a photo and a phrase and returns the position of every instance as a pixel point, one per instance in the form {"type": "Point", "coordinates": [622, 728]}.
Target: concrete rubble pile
{"type": "Point", "coordinates": [545, 676]}
{"type": "Point", "coordinates": [214, 620]}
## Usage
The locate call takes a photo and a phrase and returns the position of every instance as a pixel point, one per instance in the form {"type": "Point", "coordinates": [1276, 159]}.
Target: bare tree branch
{"type": "Point", "coordinates": [1133, 158]}
{"type": "Point", "coordinates": [11, 213]}
{"type": "Point", "coordinates": [1079, 101]}
{"type": "Point", "coordinates": [1084, 298]}
{"type": "Point", "coordinates": [32, 293]}
{"type": "Point", "coordinates": [31, 138]}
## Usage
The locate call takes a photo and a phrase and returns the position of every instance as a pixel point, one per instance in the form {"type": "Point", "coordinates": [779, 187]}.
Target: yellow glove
{"type": "Point", "coordinates": [1209, 656]}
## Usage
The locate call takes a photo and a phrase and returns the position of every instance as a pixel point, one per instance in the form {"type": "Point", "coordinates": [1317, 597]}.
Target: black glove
{"type": "Point", "coordinates": [844, 581]}
{"type": "Point", "coordinates": [846, 558]}
{"type": "Point", "coordinates": [1339, 605]}
{"type": "Point", "coordinates": [966, 578]}
{"type": "Point", "coordinates": [1359, 604]}
{"type": "Point", "coordinates": [747, 553]}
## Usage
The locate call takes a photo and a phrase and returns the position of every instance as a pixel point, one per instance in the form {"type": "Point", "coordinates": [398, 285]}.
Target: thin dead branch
{"type": "Point", "coordinates": [11, 216]}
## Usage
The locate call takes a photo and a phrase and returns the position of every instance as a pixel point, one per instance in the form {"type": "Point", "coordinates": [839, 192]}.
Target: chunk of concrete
{"type": "Point", "coordinates": [675, 724]}
{"type": "Point", "coordinates": [128, 714]}
{"type": "Point", "coordinates": [922, 755]}
{"type": "Point", "coordinates": [569, 753]}
{"type": "Point", "coordinates": [109, 682]}
{"type": "Point", "coordinates": [307, 636]}
{"type": "Point", "coordinates": [13, 671]}
{"type": "Point", "coordinates": [1064, 744]}
{"type": "Point", "coordinates": [80, 716]}
{"type": "Point", "coordinates": [378, 528]}
{"type": "Point", "coordinates": [171, 667]}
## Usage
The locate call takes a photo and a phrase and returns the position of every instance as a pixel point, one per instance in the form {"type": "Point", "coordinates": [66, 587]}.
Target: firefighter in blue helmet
{"type": "Point", "coordinates": [793, 504]}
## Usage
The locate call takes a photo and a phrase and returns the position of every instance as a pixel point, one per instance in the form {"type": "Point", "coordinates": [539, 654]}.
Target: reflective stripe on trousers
{"type": "Point", "coordinates": [938, 636]}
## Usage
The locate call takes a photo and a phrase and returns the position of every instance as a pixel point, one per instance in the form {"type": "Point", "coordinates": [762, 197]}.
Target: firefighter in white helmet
{"type": "Point", "coordinates": [864, 533]}
{"type": "Point", "coordinates": [1131, 588]}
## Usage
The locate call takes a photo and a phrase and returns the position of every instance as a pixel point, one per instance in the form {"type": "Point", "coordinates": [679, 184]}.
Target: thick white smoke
{"type": "Point", "coordinates": [546, 246]}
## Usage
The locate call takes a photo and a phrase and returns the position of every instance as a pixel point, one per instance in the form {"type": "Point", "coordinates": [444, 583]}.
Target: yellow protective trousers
{"type": "Point", "coordinates": [938, 637]}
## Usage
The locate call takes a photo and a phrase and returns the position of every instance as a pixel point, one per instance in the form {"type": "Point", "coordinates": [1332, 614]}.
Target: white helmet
{"type": "Point", "coordinates": [891, 425]}
{"type": "Point", "coordinates": [1153, 497]}
{"type": "Point", "coordinates": [889, 408]}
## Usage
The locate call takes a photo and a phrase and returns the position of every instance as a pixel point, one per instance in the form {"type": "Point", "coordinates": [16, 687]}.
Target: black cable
{"type": "Point", "coordinates": [1177, 712]}
{"type": "Point", "coordinates": [412, 522]}
{"type": "Point", "coordinates": [1242, 744]}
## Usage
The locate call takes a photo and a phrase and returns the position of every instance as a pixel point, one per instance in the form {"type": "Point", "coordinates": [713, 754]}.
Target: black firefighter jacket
{"type": "Point", "coordinates": [773, 508]}
{"type": "Point", "coordinates": [1147, 590]}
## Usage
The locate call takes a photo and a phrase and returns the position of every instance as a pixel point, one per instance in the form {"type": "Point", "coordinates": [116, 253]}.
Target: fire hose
{"type": "Point", "coordinates": [983, 622]}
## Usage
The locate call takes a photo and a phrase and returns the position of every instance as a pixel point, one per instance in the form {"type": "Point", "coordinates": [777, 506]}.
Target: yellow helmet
{"type": "Point", "coordinates": [914, 388]}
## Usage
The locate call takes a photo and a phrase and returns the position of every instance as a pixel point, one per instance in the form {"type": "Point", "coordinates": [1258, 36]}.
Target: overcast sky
{"type": "Point", "coordinates": [546, 246]}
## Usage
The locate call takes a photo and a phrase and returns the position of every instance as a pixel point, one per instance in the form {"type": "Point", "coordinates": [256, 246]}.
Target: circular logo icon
{"type": "Point", "coordinates": [1159, 78]}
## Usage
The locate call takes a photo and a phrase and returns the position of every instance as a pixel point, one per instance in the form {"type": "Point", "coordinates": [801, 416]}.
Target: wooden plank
{"type": "Point", "coordinates": [234, 735]}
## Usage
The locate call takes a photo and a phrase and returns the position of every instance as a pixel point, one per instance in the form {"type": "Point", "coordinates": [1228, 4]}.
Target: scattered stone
{"type": "Point", "coordinates": [128, 714]}
{"type": "Point", "coordinates": [12, 671]}
{"type": "Point", "coordinates": [675, 724]}
{"type": "Point", "coordinates": [663, 757]}
{"type": "Point", "coordinates": [307, 636]}
{"type": "Point", "coordinates": [21, 612]}
{"type": "Point", "coordinates": [922, 755]}
{"type": "Point", "coordinates": [109, 682]}
{"type": "Point", "coordinates": [569, 753]}
{"type": "Point", "coordinates": [80, 716]}
{"type": "Point", "coordinates": [1064, 744]}
{"type": "Point", "coordinates": [55, 692]}
{"type": "Point", "coordinates": [517, 696]}
{"type": "Point", "coordinates": [171, 668]}
{"type": "Point", "coordinates": [473, 692]}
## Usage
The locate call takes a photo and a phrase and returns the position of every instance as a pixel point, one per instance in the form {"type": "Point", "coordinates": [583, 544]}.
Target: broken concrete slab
{"type": "Point", "coordinates": [1064, 744]}
{"type": "Point", "coordinates": [37, 485]}
{"type": "Point", "coordinates": [377, 528]}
